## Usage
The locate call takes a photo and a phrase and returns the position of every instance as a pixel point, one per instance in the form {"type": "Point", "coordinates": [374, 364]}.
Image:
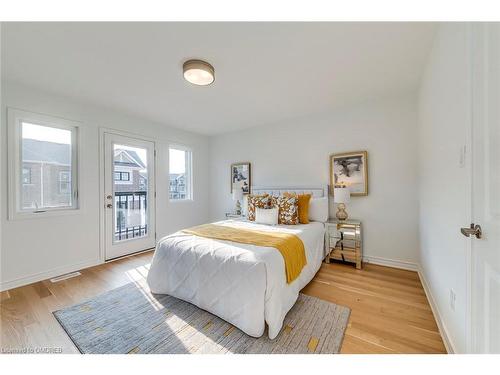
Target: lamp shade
{"type": "Point", "coordinates": [341, 195]}
{"type": "Point", "coordinates": [237, 194]}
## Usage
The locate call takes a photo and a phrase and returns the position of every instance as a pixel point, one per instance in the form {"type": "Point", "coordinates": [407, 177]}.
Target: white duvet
{"type": "Point", "coordinates": [242, 284]}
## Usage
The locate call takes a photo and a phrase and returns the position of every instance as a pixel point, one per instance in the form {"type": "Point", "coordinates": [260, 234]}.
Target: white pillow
{"type": "Point", "coordinates": [266, 215]}
{"type": "Point", "coordinates": [318, 209]}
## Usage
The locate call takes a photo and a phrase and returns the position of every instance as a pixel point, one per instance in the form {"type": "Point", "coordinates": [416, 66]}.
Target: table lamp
{"type": "Point", "coordinates": [341, 195]}
{"type": "Point", "coordinates": [238, 196]}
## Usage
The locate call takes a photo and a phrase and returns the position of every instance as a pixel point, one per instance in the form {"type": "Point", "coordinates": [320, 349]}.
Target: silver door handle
{"type": "Point", "coordinates": [109, 205]}
{"type": "Point", "coordinates": [473, 230]}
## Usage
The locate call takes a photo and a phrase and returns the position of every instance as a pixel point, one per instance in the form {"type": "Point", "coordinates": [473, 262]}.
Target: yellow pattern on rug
{"type": "Point", "coordinates": [289, 245]}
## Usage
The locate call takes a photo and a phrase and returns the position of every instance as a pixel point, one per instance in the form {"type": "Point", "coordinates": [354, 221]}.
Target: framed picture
{"type": "Point", "coordinates": [350, 169]}
{"type": "Point", "coordinates": [241, 177]}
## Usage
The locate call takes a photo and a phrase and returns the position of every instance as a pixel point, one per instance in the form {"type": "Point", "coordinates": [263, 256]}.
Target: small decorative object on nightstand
{"type": "Point", "coordinates": [237, 196]}
{"type": "Point", "coordinates": [343, 241]}
{"type": "Point", "coordinates": [341, 195]}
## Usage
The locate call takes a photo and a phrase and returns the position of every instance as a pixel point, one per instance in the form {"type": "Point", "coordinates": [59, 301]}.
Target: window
{"type": "Point", "coordinates": [142, 183]}
{"type": "Point", "coordinates": [26, 176]}
{"type": "Point", "coordinates": [122, 176]}
{"type": "Point", "coordinates": [64, 182]}
{"type": "Point", "coordinates": [180, 173]}
{"type": "Point", "coordinates": [43, 151]}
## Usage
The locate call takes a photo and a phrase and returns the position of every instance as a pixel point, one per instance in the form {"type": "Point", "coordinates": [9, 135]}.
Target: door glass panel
{"type": "Point", "coordinates": [130, 191]}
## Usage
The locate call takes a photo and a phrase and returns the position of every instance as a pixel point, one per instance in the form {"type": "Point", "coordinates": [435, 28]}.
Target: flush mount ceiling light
{"type": "Point", "coordinates": [199, 72]}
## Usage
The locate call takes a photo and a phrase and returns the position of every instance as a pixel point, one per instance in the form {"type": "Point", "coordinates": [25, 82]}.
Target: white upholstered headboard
{"type": "Point", "coordinates": [316, 192]}
{"type": "Point", "coordinates": [277, 191]}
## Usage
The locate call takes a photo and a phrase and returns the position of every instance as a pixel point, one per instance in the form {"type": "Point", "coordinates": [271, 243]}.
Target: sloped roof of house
{"type": "Point", "coordinates": [175, 176]}
{"type": "Point", "coordinates": [47, 152]}
{"type": "Point", "coordinates": [131, 158]}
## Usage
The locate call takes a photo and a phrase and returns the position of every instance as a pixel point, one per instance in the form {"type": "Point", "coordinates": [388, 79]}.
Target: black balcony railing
{"type": "Point", "coordinates": [128, 203]}
{"type": "Point", "coordinates": [131, 232]}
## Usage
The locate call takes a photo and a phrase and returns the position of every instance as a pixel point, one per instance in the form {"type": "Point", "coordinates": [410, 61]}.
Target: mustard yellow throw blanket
{"type": "Point", "coordinates": [289, 245]}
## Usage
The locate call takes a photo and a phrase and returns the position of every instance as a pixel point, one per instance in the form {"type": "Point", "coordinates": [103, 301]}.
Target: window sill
{"type": "Point", "coordinates": [14, 216]}
{"type": "Point", "coordinates": [181, 200]}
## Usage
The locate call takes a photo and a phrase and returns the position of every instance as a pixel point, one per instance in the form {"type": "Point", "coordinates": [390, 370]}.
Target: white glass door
{"type": "Point", "coordinates": [129, 202]}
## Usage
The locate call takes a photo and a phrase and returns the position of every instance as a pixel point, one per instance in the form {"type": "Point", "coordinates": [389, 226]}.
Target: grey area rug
{"type": "Point", "coordinates": [129, 319]}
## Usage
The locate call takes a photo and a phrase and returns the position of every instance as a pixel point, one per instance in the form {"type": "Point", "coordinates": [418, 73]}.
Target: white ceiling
{"type": "Point", "coordinates": [265, 72]}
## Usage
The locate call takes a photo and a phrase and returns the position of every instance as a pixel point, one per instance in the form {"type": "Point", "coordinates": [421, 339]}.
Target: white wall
{"type": "Point", "coordinates": [296, 153]}
{"type": "Point", "coordinates": [43, 247]}
{"type": "Point", "coordinates": [2, 120]}
{"type": "Point", "coordinates": [444, 118]}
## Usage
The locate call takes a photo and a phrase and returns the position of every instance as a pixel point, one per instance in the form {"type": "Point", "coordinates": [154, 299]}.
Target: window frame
{"type": "Point", "coordinates": [14, 149]}
{"type": "Point", "coordinates": [189, 176]}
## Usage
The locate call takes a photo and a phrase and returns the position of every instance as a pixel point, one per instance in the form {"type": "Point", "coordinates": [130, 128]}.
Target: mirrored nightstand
{"type": "Point", "coordinates": [343, 241]}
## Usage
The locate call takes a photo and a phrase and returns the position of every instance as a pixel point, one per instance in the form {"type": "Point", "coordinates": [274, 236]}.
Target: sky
{"type": "Point", "coordinates": [177, 162]}
{"type": "Point", "coordinates": [45, 133]}
{"type": "Point", "coordinates": [141, 152]}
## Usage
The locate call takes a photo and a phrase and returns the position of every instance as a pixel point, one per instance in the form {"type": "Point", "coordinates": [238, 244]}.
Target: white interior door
{"type": "Point", "coordinates": [485, 275]}
{"type": "Point", "coordinates": [129, 201]}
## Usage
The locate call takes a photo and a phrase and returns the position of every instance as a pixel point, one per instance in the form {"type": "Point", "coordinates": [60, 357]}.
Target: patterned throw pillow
{"type": "Point", "coordinates": [303, 206]}
{"type": "Point", "coordinates": [288, 207]}
{"type": "Point", "coordinates": [261, 201]}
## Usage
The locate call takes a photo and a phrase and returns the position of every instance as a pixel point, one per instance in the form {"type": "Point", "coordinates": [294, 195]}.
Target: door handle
{"type": "Point", "coordinates": [109, 205]}
{"type": "Point", "coordinates": [473, 230]}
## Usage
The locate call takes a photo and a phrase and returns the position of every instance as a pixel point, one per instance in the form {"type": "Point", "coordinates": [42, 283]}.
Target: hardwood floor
{"type": "Point", "coordinates": [390, 312]}
{"type": "Point", "coordinates": [389, 309]}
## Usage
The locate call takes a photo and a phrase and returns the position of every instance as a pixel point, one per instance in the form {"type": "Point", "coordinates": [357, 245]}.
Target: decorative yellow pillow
{"type": "Point", "coordinates": [261, 201]}
{"type": "Point", "coordinates": [303, 206]}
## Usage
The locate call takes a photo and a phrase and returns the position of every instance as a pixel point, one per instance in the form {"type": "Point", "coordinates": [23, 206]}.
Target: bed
{"type": "Point", "coordinates": [241, 283]}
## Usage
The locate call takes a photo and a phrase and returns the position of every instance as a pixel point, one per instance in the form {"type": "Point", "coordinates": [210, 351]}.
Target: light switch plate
{"type": "Point", "coordinates": [462, 156]}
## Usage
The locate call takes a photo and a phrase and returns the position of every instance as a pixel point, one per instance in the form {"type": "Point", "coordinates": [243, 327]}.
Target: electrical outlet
{"type": "Point", "coordinates": [453, 298]}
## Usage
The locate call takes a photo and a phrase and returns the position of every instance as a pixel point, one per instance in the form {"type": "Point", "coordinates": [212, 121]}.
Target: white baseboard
{"type": "Point", "coordinates": [10, 284]}
{"type": "Point", "coordinates": [391, 263]}
{"type": "Point", "coordinates": [450, 347]}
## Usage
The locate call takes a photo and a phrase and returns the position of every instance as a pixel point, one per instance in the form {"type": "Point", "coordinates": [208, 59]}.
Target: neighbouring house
{"type": "Point", "coordinates": [129, 172]}
{"type": "Point", "coordinates": [177, 186]}
{"type": "Point", "coordinates": [46, 182]}
{"type": "Point", "coordinates": [42, 160]}
{"type": "Point", "coordinates": [46, 174]}
{"type": "Point", "coordinates": [130, 191]}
